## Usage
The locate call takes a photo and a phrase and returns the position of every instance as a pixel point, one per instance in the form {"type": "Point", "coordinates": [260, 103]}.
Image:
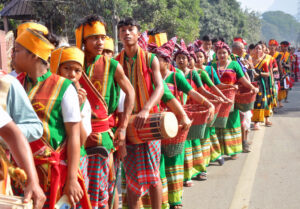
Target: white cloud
{"type": "Point", "coordinates": [257, 5]}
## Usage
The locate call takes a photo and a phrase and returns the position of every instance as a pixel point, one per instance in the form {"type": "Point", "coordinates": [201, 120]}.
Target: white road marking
{"type": "Point", "coordinates": [243, 189]}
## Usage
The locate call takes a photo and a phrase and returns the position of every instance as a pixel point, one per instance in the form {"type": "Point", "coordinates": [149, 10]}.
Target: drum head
{"type": "Point", "coordinates": [169, 125]}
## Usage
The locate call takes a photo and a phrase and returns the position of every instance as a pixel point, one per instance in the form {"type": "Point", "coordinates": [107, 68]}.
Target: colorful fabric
{"type": "Point", "coordinates": [261, 98]}
{"type": "Point", "coordinates": [182, 49]}
{"type": "Point", "coordinates": [166, 50]}
{"type": "Point", "coordinates": [98, 172]}
{"type": "Point", "coordinates": [87, 30]}
{"type": "Point", "coordinates": [52, 169]}
{"type": "Point", "coordinates": [65, 54]}
{"type": "Point", "coordinates": [143, 40]}
{"type": "Point", "coordinates": [140, 77]}
{"type": "Point", "coordinates": [230, 137]}
{"type": "Point", "coordinates": [206, 146]}
{"type": "Point", "coordinates": [193, 159]}
{"type": "Point", "coordinates": [35, 43]}
{"type": "Point", "coordinates": [212, 74]}
{"type": "Point", "coordinates": [146, 200]}
{"type": "Point", "coordinates": [205, 78]}
{"type": "Point", "coordinates": [231, 74]}
{"type": "Point", "coordinates": [215, 148]}
{"type": "Point", "coordinates": [191, 50]}
{"type": "Point", "coordinates": [159, 38]}
{"type": "Point", "coordinates": [175, 174]}
{"type": "Point", "coordinates": [241, 40]}
{"type": "Point", "coordinates": [46, 96]}
{"type": "Point", "coordinates": [198, 46]}
{"type": "Point", "coordinates": [273, 42]}
{"type": "Point", "coordinates": [84, 169]}
{"type": "Point", "coordinates": [222, 45]}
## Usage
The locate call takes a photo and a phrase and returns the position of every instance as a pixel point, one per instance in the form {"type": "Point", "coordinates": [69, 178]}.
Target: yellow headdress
{"type": "Point", "coordinates": [84, 31]}
{"type": "Point", "coordinates": [65, 54]}
{"type": "Point", "coordinates": [33, 26]}
{"type": "Point", "coordinates": [35, 43]}
{"type": "Point", "coordinates": [159, 39]}
{"type": "Point", "coordinates": [109, 44]}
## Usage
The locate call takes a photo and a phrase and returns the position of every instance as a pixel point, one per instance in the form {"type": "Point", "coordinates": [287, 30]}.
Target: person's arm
{"type": "Point", "coordinates": [128, 89]}
{"type": "Point", "coordinates": [22, 154]}
{"type": "Point", "coordinates": [155, 96]}
{"type": "Point", "coordinates": [72, 118]}
{"type": "Point", "coordinates": [22, 112]}
{"type": "Point", "coordinates": [85, 124]}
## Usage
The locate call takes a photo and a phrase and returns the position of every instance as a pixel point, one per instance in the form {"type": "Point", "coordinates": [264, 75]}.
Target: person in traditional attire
{"type": "Point", "coordinates": [68, 63]}
{"type": "Point", "coordinates": [194, 164]}
{"type": "Point", "coordinates": [230, 72]}
{"type": "Point", "coordinates": [178, 85]}
{"type": "Point", "coordinates": [261, 71]}
{"type": "Point", "coordinates": [55, 100]}
{"type": "Point", "coordinates": [142, 163]}
{"type": "Point", "coordinates": [21, 152]}
{"type": "Point", "coordinates": [286, 67]}
{"type": "Point", "coordinates": [277, 67]}
{"type": "Point", "coordinates": [215, 148]}
{"type": "Point", "coordinates": [102, 79]}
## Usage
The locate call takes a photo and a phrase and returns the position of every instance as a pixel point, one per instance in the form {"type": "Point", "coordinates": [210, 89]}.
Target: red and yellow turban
{"type": "Point", "coordinates": [84, 31]}
{"type": "Point", "coordinates": [35, 43]}
{"type": "Point", "coordinates": [33, 26]}
{"type": "Point", "coordinates": [65, 54]}
{"type": "Point", "coordinates": [273, 42]}
{"type": "Point", "coordinates": [109, 44]}
{"type": "Point", "coordinates": [159, 39]}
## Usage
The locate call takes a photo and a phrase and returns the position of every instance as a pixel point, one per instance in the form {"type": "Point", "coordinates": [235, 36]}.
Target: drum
{"type": "Point", "coordinates": [13, 202]}
{"type": "Point", "coordinates": [158, 126]}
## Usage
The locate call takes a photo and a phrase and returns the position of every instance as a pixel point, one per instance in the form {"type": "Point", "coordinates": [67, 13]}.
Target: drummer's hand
{"type": "Point", "coordinates": [34, 191]}
{"type": "Point", "coordinates": [255, 90]}
{"type": "Point", "coordinates": [81, 95]}
{"type": "Point", "coordinates": [73, 191]}
{"type": "Point", "coordinates": [120, 136]}
{"type": "Point", "coordinates": [141, 119]}
{"type": "Point", "coordinates": [185, 122]}
{"type": "Point", "coordinates": [121, 152]}
{"type": "Point", "coordinates": [211, 112]}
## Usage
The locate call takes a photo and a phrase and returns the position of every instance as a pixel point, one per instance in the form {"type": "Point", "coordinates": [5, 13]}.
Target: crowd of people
{"type": "Point", "coordinates": [67, 115]}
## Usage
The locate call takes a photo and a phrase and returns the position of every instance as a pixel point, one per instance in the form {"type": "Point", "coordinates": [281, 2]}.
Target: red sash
{"type": "Point", "coordinates": [55, 175]}
{"type": "Point", "coordinates": [100, 120]}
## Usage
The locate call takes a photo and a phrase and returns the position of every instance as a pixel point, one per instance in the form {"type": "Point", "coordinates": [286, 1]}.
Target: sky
{"type": "Point", "coordinates": [287, 6]}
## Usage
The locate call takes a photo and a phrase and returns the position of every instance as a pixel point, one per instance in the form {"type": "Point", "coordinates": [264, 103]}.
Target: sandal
{"type": "Point", "coordinates": [221, 161]}
{"type": "Point", "coordinates": [256, 127]}
{"type": "Point", "coordinates": [188, 184]}
{"type": "Point", "coordinates": [202, 176]}
{"type": "Point", "coordinates": [234, 157]}
{"type": "Point", "coordinates": [268, 124]}
{"type": "Point", "coordinates": [179, 206]}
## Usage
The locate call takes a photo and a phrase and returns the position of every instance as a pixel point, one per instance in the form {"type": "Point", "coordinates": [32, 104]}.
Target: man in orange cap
{"type": "Point", "coordinates": [102, 79]}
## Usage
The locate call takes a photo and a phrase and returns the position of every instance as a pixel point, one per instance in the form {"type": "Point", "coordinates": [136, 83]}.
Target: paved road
{"type": "Point", "coordinates": [266, 178]}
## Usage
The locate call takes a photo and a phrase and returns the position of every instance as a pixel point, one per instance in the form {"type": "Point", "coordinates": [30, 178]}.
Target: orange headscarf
{"type": "Point", "coordinates": [84, 31]}
{"type": "Point", "coordinates": [35, 43]}
{"type": "Point", "coordinates": [65, 54]}
{"type": "Point", "coordinates": [33, 26]}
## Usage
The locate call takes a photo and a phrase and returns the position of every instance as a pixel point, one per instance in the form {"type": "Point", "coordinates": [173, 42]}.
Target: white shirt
{"type": "Point", "coordinates": [5, 118]}
{"type": "Point", "coordinates": [70, 105]}
{"type": "Point", "coordinates": [121, 101]}
{"type": "Point", "coordinates": [86, 114]}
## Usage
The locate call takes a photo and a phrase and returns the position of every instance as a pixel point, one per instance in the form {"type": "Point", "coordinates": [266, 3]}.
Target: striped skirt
{"type": "Point", "coordinates": [146, 200]}
{"type": "Point", "coordinates": [215, 148]}
{"type": "Point", "coordinates": [193, 159]}
{"type": "Point", "coordinates": [205, 144]}
{"type": "Point", "coordinates": [230, 138]}
{"type": "Point", "coordinates": [84, 169]}
{"type": "Point", "coordinates": [98, 172]}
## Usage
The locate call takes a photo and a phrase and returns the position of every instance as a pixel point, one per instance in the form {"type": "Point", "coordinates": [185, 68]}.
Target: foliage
{"type": "Point", "coordinates": [280, 26]}
{"type": "Point", "coordinates": [226, 19]}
